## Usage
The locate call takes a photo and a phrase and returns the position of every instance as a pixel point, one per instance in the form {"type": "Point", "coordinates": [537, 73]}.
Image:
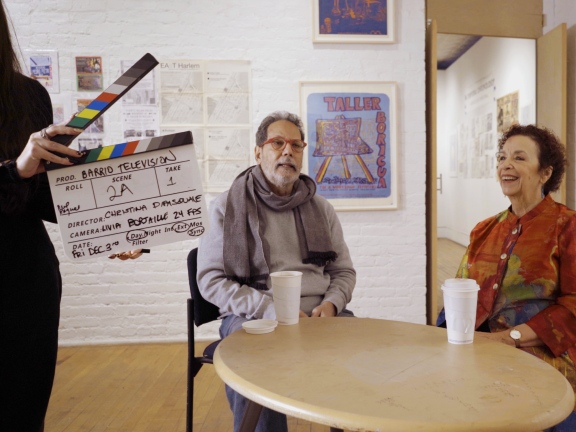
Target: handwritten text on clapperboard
{"type": "Point", "coordinates": [136, 201]}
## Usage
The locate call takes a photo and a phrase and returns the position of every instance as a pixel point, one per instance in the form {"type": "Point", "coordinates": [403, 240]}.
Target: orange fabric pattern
{"type": "Point", "coordinates": [526, 269]}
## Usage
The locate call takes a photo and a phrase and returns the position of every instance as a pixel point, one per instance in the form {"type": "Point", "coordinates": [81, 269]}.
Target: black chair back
{"type": "Point", "coordinates": [204, 311]}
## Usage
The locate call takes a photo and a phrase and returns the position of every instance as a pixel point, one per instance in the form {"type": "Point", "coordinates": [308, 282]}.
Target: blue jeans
{"type": "Point", "coordinates": [568, 425]}
{"type": "Point", "coordinates": [270, 421]}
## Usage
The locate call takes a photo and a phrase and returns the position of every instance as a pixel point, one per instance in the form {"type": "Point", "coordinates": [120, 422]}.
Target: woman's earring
{"type": "Point", "coordinates": [543, 196]}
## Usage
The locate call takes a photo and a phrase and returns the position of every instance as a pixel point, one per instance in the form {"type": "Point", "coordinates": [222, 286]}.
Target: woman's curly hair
{"type": "Point", "coordinates": [551, 152]}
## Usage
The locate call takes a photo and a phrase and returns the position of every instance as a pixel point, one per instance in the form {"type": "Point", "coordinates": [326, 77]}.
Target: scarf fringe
{"type": "Point", "coordinates": [320, 259]}
{"type": "Point", "coordinates": [252, 281]}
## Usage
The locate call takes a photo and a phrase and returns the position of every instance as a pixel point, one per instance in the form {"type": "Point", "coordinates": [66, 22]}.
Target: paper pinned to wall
{"type": "Point", "coordinates": [139, 121]}
{"type": "Point", "coordinates": [197, 133]}
{"type": "Point", "coordinates": [477, 137]}
{"type": "Point", "coordinates": [213, 99]}
{"type": "Point", "coordinates": [89, 74]}
{"type": "Point", "coordinates": [61, 107]}
{"type": "Point", "coordinates": [42, 65]}
{"type": "Point", "coordinates": [229, 143]}
{"type": "Point", "coordinates": [182, 76]}
{"type": "Point", "coordinates": [143, 93]}
{"type": "Point", "coordinates": [181, 109]}
{"type": "Point", "coordinates": [228, 77]}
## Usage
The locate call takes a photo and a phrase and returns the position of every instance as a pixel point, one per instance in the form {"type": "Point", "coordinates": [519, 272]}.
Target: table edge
{"type": "Point", "coordinates": [339, 419]}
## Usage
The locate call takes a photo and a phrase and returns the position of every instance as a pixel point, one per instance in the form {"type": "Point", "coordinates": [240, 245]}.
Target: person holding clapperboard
{"type": "Point", "coordinates": [31, 286]}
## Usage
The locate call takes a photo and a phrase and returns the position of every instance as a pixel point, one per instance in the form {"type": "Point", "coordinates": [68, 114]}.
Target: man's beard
{"type": "Point", "coordinates": [279, 180]}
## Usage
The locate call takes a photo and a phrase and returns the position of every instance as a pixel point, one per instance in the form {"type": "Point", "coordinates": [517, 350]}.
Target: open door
{"type": "Point", "coordinates": [551, 78]}
{"type": "Point", "coordinates": [431, 200]}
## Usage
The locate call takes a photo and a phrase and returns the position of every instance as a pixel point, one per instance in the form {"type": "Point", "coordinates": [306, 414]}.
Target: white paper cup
{"type": "Point", "coordinates": [460, 300]}
{"type": "Point", "coordinates": [286, 287]}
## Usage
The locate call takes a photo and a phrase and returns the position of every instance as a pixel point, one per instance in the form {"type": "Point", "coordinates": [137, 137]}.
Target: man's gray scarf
{"type": "Point", "coordinates": [241, 226]}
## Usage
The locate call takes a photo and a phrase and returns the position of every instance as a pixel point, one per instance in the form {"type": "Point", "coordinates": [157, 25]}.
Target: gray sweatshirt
{"type": "Point", "coordinates": [333, 283]}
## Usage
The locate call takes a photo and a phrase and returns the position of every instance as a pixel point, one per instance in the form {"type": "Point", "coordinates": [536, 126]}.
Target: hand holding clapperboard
{"type": "Point", "coordinates": [130, 195]}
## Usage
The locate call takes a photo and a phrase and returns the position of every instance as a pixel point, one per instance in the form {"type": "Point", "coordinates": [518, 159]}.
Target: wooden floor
{"type": "Point", "coordinates": [449, 256]}
{"type": "Point", "coordinates": [142, 388]}
{"type": "Point", "coordinates": [138, 388]}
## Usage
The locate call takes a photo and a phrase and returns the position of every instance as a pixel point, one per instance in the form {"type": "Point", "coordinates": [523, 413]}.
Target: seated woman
{"type": "Point", "coordinates": [524, 259]}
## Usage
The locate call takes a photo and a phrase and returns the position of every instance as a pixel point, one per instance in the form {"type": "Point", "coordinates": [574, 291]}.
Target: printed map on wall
{"type": "Point", "coordinates": [351, 148]}
{"type": "Point", "coordinates": [212, 99]}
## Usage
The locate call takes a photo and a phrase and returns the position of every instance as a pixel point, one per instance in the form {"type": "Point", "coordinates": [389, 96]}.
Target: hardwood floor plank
{"type": "Point", "coordinates": [116, 403]}
{"type": "Point", "coordinates": [170, 402]}
{"type": "Point", "coordinates": [206, 392]}
{"type": "Point", "coordinates": [94, 409]}
{"type": "Point", "coordinates": [219, 417]}
{"type": "Point", "coordinates": [132, 410]}
{"type": "Point", "coordinates": [76, 394]}
{"type": "Point", "coordinates": [144, 405]}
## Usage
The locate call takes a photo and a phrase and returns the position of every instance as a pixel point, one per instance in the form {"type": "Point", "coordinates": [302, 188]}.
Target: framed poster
{"type": "Point", "coordinates": [351, 136]}
{"type": "Point", "coordinates": [353, 21]}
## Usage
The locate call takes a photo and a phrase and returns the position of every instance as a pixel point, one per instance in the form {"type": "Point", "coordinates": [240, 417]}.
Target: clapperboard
{"type": "Point", "coordinates": [130, 195]}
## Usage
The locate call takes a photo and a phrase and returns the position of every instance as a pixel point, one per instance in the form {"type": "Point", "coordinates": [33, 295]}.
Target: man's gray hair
{"type": "Point", "coordinates": [262, 132]}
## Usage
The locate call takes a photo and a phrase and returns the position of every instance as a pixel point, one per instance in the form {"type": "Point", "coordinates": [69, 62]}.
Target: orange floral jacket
{"type": "Point", "coordinates": [526, 269]}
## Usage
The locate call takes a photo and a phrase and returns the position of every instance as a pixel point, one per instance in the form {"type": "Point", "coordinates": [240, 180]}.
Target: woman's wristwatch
{"type": "Point", "coordinates": [516, 335]}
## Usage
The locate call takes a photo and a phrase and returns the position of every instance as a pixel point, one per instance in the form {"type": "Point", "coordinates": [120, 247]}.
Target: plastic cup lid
{"type": "Point", "coordinates": [460, 285]}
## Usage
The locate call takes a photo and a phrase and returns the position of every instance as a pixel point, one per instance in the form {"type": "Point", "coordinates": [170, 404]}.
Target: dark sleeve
{"type": "Point", "coordinates": [9, 173]}
{"type": "Point", "coordinates": [43, 116]}
{"type": "Point", "coordinates": [40, 203]}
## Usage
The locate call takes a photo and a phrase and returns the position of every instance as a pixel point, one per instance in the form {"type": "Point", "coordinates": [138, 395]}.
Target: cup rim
{"type": "Point", "coordinates": [292, 273]}
{"type": "Point", "coordinates": [462, 287]}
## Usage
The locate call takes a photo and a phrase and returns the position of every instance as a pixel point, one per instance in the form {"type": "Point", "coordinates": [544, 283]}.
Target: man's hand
{"type": "Point", "coordinates": [127, 255]}
{"type": "Point", "coordinates": [303, 315]}
{"type": "Point", "coordinates": [326, 309]}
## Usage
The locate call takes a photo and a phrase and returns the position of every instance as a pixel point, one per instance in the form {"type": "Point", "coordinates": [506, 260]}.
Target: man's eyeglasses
{"type": "Point", "coordinates": [278, 144]}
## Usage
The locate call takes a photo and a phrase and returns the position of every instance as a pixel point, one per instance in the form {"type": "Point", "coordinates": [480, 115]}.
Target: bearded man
{"type": "Point", "coordinates": [271, 220]}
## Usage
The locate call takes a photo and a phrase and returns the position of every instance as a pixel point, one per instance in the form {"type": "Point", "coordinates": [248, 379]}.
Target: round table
{"type": "Point", "coordinates": [370, 374]}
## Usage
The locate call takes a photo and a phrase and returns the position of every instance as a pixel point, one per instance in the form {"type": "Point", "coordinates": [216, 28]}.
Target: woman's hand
{"type": "Point", "coordinates": [127, 255]}
{"type": "Point", "coordinates": [502, 337]}
{"type": "Point", "coordinates": [528, 339]}
{"type": "Point", "coordinates": [39, 148]}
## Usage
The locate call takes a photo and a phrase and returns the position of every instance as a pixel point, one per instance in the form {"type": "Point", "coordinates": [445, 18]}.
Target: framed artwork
{"type": "Point", "coordinates": [353, 21]}
{"type": "Point", "coordinates": [351, 136]}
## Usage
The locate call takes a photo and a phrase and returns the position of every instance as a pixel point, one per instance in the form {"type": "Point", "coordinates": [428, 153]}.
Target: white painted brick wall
{"type": "Point", "coordinates": [108, 301]}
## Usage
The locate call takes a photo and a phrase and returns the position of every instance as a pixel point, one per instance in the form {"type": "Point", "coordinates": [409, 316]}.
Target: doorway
{"type": "Point", "coordinates": [484, 85]}
{"type": "Point", "coordinates": [485, 19]}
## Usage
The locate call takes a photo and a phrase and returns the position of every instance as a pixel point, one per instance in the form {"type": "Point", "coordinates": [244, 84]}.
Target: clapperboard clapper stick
{"type": "Point", "coordinates": [108, 98]}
